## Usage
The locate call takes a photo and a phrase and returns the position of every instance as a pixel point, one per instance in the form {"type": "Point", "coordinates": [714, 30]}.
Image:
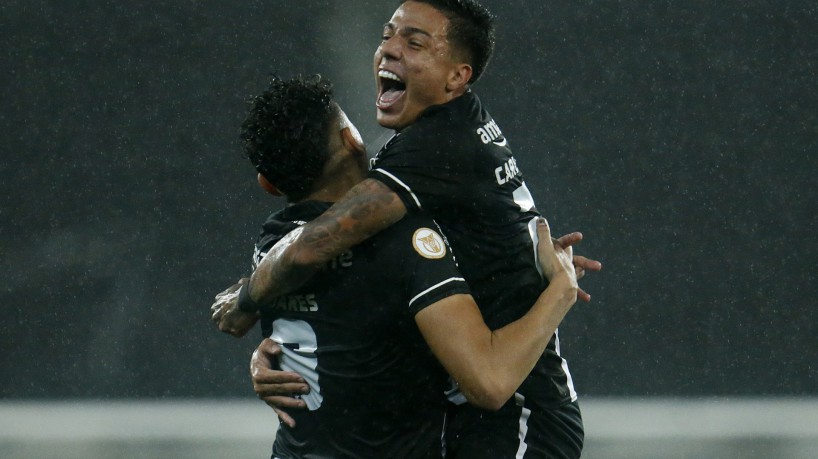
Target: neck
{"type": "Point", "coordinates": [452, 97]}
{"type": "Point", "coordinates": [335, 183]}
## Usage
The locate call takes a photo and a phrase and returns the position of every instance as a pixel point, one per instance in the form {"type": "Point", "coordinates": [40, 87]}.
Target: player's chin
{"type": "Point", "coordinates": [388, 120]}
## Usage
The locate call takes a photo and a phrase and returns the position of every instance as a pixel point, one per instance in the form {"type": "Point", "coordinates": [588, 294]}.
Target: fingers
{"type": "Point", "coordinates": [224, 292]}
{"type": "Point", "coordinates": [283, 417]}
{"type": "Point", "coordinates": [218, 303]}
{"type": "Point", "coordinates": [222, 301]}
{"type": "Point", "coordinates": [283, 402]}
{"type": "Point", "coordinates": [569, 250]}
{"type": "Point", "coordinates": [227, 294]}
{"type": "Point", "coordinates": [232, 288]}
{"type": "Point", "coordinates": [581, 264]}
{"type": "Point", "coordinates": [276, 388]}
{"type": "Point", "coordinates": [235, 322]}
{"type": "Point", "coordinates": [269, 379]}
{"type": "Point", "coordinates": [570, 239]}
{"type": "Point", "coordinates": [218, 312]}
{"type": "Point", "coordinates": [282, 390]}
{"type": "Point", "coordinates": [236, 330]}
{"type": "Point", "coordinates": [586, 263]}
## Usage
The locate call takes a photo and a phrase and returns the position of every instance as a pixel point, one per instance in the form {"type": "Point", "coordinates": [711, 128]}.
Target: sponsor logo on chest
{"type": "Point", "coordinates": [490, 132]}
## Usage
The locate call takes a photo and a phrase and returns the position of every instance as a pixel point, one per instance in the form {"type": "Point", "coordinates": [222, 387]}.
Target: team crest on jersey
{"type": "Point", "coordinates": [428, 243]}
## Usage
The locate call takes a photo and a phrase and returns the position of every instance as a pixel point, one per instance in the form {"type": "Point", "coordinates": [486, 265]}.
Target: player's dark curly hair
{"type": "Point", "coordinates": [286, 133]}
{"type": "Point", "coordinates": [471, 31]}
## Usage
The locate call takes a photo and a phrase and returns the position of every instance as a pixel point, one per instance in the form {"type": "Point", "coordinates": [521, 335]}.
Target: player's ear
{"type": "Point", "coordinates": [268, 187]}
{"type": "Point", "coordinates": [352, 139]}
{"type": "Point", "coordinates": [459, 77]}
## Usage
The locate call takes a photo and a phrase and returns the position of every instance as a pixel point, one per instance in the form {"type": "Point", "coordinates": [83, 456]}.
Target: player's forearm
{"type": "Point", "coordinates": [368, 208]}
{"type": "Point", "coordinates": [525, 339]}
{"type": "Point", "coordinates": [280, 271]}
{"type": "Point", "coordinates": [513, 350]}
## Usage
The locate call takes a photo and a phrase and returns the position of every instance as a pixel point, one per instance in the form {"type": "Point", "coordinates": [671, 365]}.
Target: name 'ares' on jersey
{"type": "Point", "coordinates": [296, 303]}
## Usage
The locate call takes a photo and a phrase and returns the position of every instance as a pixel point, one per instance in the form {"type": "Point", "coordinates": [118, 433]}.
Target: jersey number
{"type": "Point", "coordinates": [298, 344]}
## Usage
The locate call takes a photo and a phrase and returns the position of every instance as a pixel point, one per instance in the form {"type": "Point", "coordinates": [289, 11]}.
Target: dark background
{"type": "Point", "coordinates": [680, 137]}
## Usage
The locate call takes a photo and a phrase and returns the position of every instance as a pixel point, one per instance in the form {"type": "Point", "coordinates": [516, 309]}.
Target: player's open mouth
{"type": "Point", "coordinates": [392, 88]}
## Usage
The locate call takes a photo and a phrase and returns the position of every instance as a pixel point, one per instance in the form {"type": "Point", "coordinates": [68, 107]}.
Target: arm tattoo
{"type": "Point", "coordinates": [367, 209]}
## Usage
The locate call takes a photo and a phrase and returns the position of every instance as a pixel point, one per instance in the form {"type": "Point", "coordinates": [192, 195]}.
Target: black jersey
{"type": "Point", "coordinates": [376, 389]}
{"type": "Point", "coordinates": [455, 164]}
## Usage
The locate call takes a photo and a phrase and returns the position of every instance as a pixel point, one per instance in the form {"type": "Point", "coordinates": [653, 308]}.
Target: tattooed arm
{"type": "Point", "coordinates": [365, 210]}
{"type": "Point", "coordinates": [368, 208]}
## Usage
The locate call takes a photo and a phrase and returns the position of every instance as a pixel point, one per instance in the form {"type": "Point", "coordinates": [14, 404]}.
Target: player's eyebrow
{"type": "Point", "coordinates": [390, 27]}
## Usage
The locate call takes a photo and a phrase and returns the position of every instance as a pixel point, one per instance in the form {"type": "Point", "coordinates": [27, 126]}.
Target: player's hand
{"type": "Point", "coordinates": [275, 387]}
{"type": "Point", "coordinates": [227, 315]}
{"type": "Point", "coordinates": [581, 264]}
{"type": "Point", "coordinates": [556, 259]}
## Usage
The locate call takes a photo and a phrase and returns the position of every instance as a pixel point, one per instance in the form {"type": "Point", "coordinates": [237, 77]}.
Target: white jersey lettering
{"type": "Point", "coordinates": [296, 303]}
{"type": "Point", "coordinates": [489, 132]}
{"type": "Point", "coordinates": [506, 172]}
{"type": "Point", "coordinates": [342, 261]}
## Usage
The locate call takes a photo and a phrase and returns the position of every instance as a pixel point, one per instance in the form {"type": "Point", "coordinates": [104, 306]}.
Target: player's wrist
{"type": "Point", "coordinates": [246, 302]}
{"type": "Point", "coordinates": [563, 284]}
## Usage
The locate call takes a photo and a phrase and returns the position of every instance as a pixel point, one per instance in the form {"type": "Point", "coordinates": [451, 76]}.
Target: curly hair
{"type": "Point", "coordinates": [286, 133]}
{"type": "Point", "coordinates": [471, 31]}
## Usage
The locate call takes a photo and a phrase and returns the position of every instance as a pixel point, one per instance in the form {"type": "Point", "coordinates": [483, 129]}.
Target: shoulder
{"type": "Point", "coordinates": [274, 227]}
{"type": "Point", "coordinates": [409, 235]}
{"type": "Point", "coordinates": [441, 129]}
{"type": "Point", "coordinates": [283, 221]}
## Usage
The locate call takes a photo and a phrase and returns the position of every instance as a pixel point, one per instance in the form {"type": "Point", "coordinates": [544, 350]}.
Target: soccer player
{"type": "Point", "coordinates": [450, 159]}
{"type": "Point", "coordinates": [352, 330]}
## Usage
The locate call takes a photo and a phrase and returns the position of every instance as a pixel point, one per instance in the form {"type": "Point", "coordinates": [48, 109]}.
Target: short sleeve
{"type": "Point", "coordinates": [434, 272]}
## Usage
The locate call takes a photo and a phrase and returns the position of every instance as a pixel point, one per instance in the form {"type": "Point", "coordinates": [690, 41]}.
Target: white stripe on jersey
{"type": "Point", "coordinates": [405, 186]}
{"type": "Point", "coordinates": [519, 399]}
{"type": "Point", "coordinates": [569, 380]}
{"type": "Point", "coordinates": [532, 231]}
{"type": "Point", "coordinates": [451, 279]}
{"type": "Point", "coordinates": [301, 358]}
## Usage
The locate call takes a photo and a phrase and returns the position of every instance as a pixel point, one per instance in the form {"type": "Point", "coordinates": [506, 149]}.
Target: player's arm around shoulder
{"type": "Point", "coordinates": [368, 208]}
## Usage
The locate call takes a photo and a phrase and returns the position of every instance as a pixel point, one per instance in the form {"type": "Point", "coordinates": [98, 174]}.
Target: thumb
{"type": "Point", "coordinates": [543, 230]}
{"type": "Point", "coordinates": [263, 355]}
{"type": "Point", "coordinates": [269, 347]}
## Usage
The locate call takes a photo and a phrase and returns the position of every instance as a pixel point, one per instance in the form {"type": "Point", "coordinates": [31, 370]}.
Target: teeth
{"type": "Point", "coordinates": [389, 75]}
